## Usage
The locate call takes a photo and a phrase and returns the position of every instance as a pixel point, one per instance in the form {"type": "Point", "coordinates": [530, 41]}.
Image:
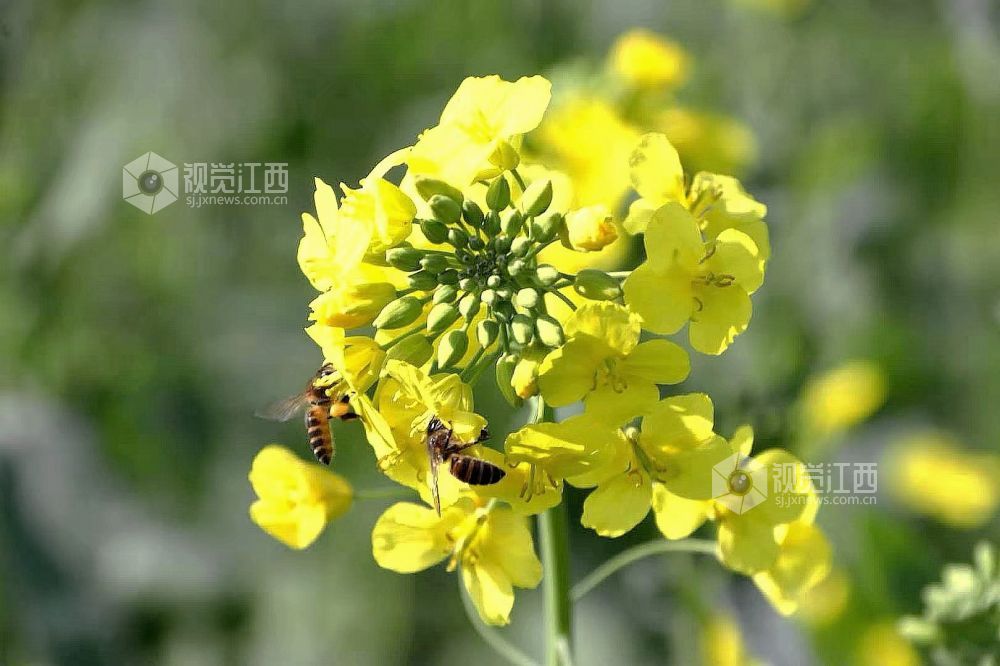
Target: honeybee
{"type": "Point", "coordinates": [321, 403]}
{"type": "Point", "coordinates": [443, 447]}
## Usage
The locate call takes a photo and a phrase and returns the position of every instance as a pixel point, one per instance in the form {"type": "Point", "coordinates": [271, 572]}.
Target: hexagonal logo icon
{"type": "Point", "coordinates": [150, 183]}
{"type": "Point", "coordinates": [739, 483]}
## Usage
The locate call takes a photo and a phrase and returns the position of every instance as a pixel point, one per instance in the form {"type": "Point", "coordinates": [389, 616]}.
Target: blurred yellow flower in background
{"type": "Point", "coordinates": [931, 473]}
{"type": "Point", "coordinates": [842, 397]}
{"type": "Point", "coordinates": [722, 643]}
{"type": "Point", "coordinates": [881, 645]}
{"type": "Point", "coordinates": [297, 498]}
{"type": "Point", "coordinates": [827, 601]}
{"type": "Point", "coordinates": [707, 140]}
{"type": "Point", "coordinates": [645, 59]}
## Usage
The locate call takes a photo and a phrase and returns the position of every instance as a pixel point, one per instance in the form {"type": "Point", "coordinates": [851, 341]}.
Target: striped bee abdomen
{"type": "Point", "coordinates": [318, 430]}
{"type": "Point", "coordinates": [474, 471]}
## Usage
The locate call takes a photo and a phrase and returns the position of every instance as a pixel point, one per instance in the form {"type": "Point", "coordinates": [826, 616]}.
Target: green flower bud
{"type": "Point", "coordinates": [550, 333]}
{"type": "Point", "coordinates": [544, 229]}
{"type": "Point", "coordinates": [476, 243]}
{"type": "Point", "coordinates": [469, 306]}
{"type": "Point", "coordinates": [536, 198]}
{"type": "Point", "coordinates": [520, 246]}
{"type": "Point", "coordinates": [452, 348]}
{"type": "Point", "coordinates": [503, 310]}
{"type": "Point", "coordinates": [498, 194]}
{"type": "Point", "coordinates": [596, 285]}
{"type": "Point", "coordinates": [434, 230]}
{"type": "Point", "coordinates": [404, 257]}
{"type": "Point", "coordinates": [422, 281]}
{"type": "Point", "coordinates": [449, 276]}
{"type": "Point", "coordinates": [489, 297]}
{"type": "Point", "coordinates": [399, 312]}
{"type": "Point", "coordinates": [445, 293]}
{"type": "Point", "coordinates": [504, 373]}
{"type": "Point", "coordinates": [512, 222]}
{"type": "Point", "coordinates": [487, 332]}
{"type": "Point", "coordinates": [505, 293]}
{"type": "Point", "coordinates": [491, 224]}
{"type": "Point", "coordinates": [466, 284]}
{"type": "Point", "coordinates": [522, 329]}
{"type": "Point", "coordinates": [458, 237]}
{"type": "Point", "coordinates": [441, 317]}
{"type": "Point", "coordinates": [547, 275]}
{"type": "Point", "coordinates": [501, 244]}
{"type": "Point", "coordinates": [428, 187]}
{"type": "Point", "coordinates": [493, 281]}
{"type": "Point", "coordinates": [472, 213]}
{"type": "Point", "coordinates": [526, 298]}
{"type": "Point", "coordinates": [517, 267]}
{"type": "Point", "coordinates": [445, 209]}
{"type": "Point", "coordinates": [434, 263]}
{"type": "Point", "coordinates": [415, 350]}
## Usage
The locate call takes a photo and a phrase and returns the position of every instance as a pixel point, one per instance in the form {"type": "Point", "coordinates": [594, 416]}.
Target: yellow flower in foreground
{"type": "Point", "coordinates": [297, 499]}
{"type": "Point", "coordinates": [667, 466]}
{"type": "Point", "coordinates": [685, 279]}
{"type": "Point", "coordinates": [577, 445]}
{"type": "Point", "coordinates": [358, 360]}
{"type": "Point", "coordinates": [604, 364]}
{"type": "Point", "coordinates": [931, 473]}
{"type": "Point", "coordinates": [493, 547]}
{"type": "Point", "coordinates": [843, 397]}
{"type": "Point", "coordinates": [477, 127]}
{"type": "Point", "coordinates": [755, 499]}
{"type": "Point", "coordinates": [332, 256]}
{"type": "Point", "coordinates": [645, 59]}
{"type": "Point", "coordinates": [803, 562]}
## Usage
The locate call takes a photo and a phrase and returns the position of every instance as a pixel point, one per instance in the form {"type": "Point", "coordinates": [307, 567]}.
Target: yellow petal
{"type": "Point", "coordinates": [656, 170]}
{"type": "Point", "coordinates": [608, 322]}
{"type": "Point", "coordinates": [498, 108]}
{"type": "Point", "coordinates": [673, 237]}
{"type": "Point", "coordinates": [746, 541]}
{"type": "Point", "coordinates": [618, 405]}
{"type": "Point", "coordinates": [575, 446]}
{"type": "Point", "coordinates": [688, 470]}
{"type": "Point", "coordinates": [724, 313]}
{"type": "Point", "coordinates": [567, 373]}
{"type": "Point", "coordinates": [658, 361]}
{"type": "Point", "coordinates": [681, 421]}
{"type": "Point", "coordinates": [646, 59]}
{"type": "Point", "coordinates": [490, 590]}
{"type": "Point", "coordinates": [409, 537]}
{"type": "Point", "coordinates": [663, 297]}
{"type": "Point", "coordinates": [737, 255]}
{"type": "Point", "coordinates": [618, 504]}
{"type": "Point", "coordinates": [802, 563]}
{"type": "Point", "coordinates": [676, 516]}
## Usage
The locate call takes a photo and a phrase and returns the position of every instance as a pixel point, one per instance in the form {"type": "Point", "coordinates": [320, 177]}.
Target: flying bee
{"type": "Point", "coordinates": [322, 401]}
{"type": "Point", "coordinates": [442, 446]}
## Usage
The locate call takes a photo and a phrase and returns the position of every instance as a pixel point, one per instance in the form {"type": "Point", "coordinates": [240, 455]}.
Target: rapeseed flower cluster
{"type": "Point", "coordinates": [434, 283]}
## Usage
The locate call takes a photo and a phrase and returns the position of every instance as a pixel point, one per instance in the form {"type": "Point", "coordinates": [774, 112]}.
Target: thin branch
{"type": "Point", "coordinates": [627, 557]}
{"type": "Point", "coordinates": [491, 636]}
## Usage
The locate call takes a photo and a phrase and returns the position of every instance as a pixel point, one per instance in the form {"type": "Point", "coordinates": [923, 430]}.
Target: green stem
{"type": "Point", "coordinates": [627, 557]}
{"type": "Point", "coordinates": [491, 636]}
{"type": "Point", "coordinates": [520, 181]}
{"type": "Point", "coordinates": [553, 527]}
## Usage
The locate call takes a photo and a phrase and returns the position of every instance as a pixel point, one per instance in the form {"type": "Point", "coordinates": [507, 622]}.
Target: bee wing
{"type": "Point", "coordinates": [282, 410]}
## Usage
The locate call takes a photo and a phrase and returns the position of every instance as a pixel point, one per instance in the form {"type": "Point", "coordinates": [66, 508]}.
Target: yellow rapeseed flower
{"type": "Point", "coordinates": [802, 562]}
{"type": "Point", "coordinates": [685, 279]}
{"type": "Point", "coordinates": [297, 498]}
{"type": "Point", "coordinates": [604, 364]}
{"type": "Point", "coordinates": [492, 546]}
{"type": "Point", "coordinates": [645, 59]}
{"type": "Point", "coordinates": [931, 473]}
{"type": "Point", "coordinates": [473, 138]}
{"type": "Point", "coordinates": [842, 397]}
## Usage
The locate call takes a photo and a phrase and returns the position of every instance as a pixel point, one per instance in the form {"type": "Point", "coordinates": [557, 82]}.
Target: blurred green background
{"type": "Point", "coordinates": [134, 348]}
